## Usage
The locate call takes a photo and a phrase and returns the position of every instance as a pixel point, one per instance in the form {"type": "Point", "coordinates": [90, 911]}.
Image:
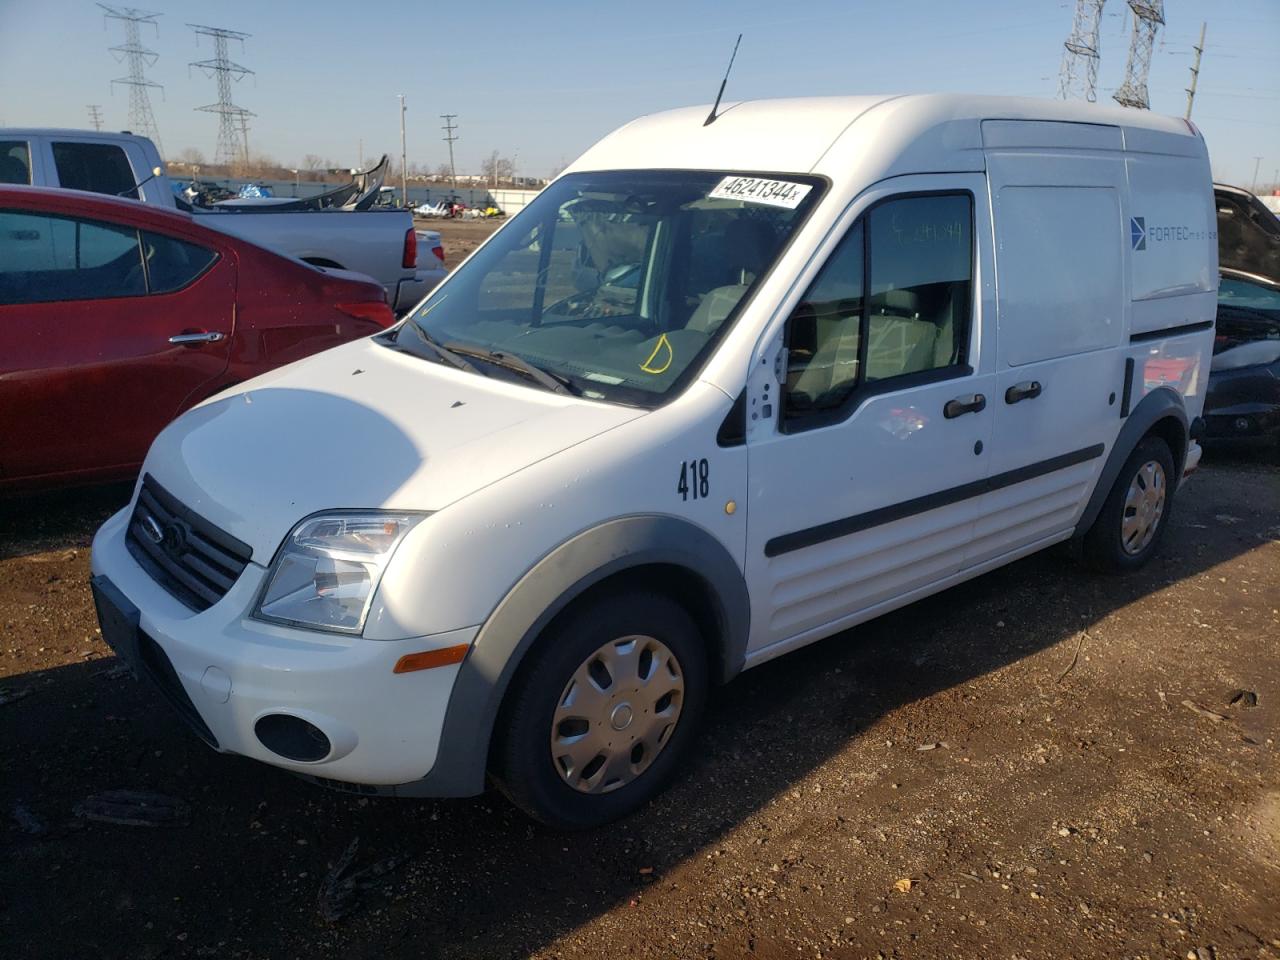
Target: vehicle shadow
{"type": "Point", "coordinates": [65, 519]}
{"type": "Point", "coordinates": [473, 877]}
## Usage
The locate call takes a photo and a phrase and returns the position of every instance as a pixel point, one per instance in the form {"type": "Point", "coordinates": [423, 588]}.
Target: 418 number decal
{"type": "Point", "coordinates": [695, 479]}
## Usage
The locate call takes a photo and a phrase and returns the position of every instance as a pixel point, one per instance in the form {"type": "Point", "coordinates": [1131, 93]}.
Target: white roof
{"type": "Point", "coordinates": [867, 137]}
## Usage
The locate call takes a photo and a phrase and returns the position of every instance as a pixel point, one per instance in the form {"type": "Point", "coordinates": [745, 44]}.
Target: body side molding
{"type": "Point", "coordinates": [800, 539]}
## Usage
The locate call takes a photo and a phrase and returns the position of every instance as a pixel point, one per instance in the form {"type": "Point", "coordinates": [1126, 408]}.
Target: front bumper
{"type": "Point", "coordinates": [224, 672]}
{"type": "Point", "coordinates": [1243, 421]}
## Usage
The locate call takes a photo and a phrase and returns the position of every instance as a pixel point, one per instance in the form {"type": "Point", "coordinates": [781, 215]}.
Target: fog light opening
{"type": "Point", "coordinates": [292, 738]}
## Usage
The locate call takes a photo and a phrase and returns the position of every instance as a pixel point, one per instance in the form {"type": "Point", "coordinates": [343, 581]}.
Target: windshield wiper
{"type": "Point", "coordinates": [552, 381]}
{"type": "Point", "coordinates": [440, 350]}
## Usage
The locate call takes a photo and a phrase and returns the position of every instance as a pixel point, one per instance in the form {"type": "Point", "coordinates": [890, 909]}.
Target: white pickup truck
{"type": "Point", "coordinates": [380, 243]}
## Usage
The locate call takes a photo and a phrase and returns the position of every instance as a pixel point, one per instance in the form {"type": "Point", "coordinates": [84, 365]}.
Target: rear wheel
{"type": "Point", "coordinates": [1131, 524]}
{"type": "Point", "coordinates": [599, 721]}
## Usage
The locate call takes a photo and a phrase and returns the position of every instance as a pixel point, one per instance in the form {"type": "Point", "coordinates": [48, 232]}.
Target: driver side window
{"type": "Point", "coordinates": [891, 305]}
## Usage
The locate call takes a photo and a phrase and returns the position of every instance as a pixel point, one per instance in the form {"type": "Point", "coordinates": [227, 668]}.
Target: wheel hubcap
{"type": "Point", "coordinates": [1143, 507]}
{"type": "Point", "coordinates": [616, 714]}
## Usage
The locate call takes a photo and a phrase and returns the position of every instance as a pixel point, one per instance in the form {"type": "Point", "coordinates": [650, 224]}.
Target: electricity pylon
{"type": "Point", "coordinates": [1078, 78]}
{"type": "Point", "coordinates": [1148, 18]}
{"type": "Point", "coordinates": [233, 133]}
{"type": "Point", "coordinates": [141, 119]}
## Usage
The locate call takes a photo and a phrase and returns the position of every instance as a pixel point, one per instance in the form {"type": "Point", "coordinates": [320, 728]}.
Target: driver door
{"type": "Point", "coordinates": [864, 475]}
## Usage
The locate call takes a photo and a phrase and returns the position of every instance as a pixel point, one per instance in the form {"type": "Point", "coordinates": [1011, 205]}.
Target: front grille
{"type": "Point", "coordinates": [183, 552]}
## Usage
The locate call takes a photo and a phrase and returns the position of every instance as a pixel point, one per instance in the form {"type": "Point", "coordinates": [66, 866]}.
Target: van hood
{"type": "Point", "coordinates": [360, 426]}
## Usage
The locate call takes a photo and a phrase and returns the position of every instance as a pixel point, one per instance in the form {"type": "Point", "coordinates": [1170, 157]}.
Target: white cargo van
{"type": "Point", "coordinates": [719, 391]}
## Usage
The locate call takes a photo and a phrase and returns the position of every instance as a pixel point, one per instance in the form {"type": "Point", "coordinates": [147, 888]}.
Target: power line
{"type": "Point", "coordinates": [232, 143]}
{"type": "Point", "coordinates": [141, 118]}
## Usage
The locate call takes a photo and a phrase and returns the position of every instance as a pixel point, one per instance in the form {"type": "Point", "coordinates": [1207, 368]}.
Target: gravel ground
{"type": "Point", "coordinates": [1041, 763]}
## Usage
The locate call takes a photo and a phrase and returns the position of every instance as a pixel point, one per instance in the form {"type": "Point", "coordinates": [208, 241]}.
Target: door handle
{"type": "Point", "coordinates": [1026, 390]}
{"type": "Point", "coordinates": [195, 339]}
{"type": "Point", "coordinates": [962, 405]}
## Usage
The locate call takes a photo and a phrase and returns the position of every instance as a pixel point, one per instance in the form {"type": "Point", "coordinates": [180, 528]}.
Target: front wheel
{"type": "Point", "coordinates": [599, 720]}
{"type": "Point", "coordinates": [1133, 519]}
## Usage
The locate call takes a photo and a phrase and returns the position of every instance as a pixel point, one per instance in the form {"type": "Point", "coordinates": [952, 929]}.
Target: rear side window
{"type": "Point", "coordinates": [45, 259]}
{"type": "Point", "coordinates": [172, 263]}
{"type": "Point", "coordinates": [893, 301]}
{"type": "Point", "coordinates": [97, 167]}
{"type": "Point", "coordinates": [15, 161]}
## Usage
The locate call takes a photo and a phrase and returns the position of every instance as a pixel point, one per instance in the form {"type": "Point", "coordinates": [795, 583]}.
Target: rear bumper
{"type": "Point", "coordinates": [1193, 459]}
{"type": "Point", "coordinates": [411, 290]}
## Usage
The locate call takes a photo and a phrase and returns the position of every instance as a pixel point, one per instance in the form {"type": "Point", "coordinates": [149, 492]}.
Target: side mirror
{"type": "Point", "coordinates": [155, 172]}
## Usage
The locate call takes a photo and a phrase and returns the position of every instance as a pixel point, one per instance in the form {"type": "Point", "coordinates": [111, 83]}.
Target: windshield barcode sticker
{"type": "Point", "coordinates": [775, 193]}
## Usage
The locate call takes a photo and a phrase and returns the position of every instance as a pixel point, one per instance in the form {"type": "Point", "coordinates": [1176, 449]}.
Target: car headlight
{"type": "Point", "coordinates": [325, 575]}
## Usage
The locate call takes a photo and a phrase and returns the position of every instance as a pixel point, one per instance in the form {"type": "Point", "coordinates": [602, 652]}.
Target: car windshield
{"type": "Point", "coordinates": [614, 285]}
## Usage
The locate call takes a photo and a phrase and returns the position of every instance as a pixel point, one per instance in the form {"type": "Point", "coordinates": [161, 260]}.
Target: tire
{"type": "Point", "coordinates": [541, 759]}
{"type": "Point", "coordinates": [1133, 519]}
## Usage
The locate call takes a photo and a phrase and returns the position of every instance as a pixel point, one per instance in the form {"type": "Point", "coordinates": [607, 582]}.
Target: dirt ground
{"type": "Point", "coordinates": [1041, 763]}
{"type": "Point", "coordinates": [460, 236]}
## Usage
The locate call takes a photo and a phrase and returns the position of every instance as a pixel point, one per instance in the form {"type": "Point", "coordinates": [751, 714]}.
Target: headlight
{"type": "Point", "coordinates": [324, 576]}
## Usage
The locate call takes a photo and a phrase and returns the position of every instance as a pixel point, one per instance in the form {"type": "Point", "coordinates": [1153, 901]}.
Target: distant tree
{"type": "Point", "coordinates": [497, 168]}
{"type": "Point", "coordinates": [443, 172]}
{"type": "Point", "coordinates": [313, 162]}
{"type": "Point", "coordinates": [557, 169]}
{"type": "Point", "coordinates": [191, 157]}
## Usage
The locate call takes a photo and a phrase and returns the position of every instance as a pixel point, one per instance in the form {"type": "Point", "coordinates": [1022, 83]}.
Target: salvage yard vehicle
{"type": "Point", "coordinates": [382, 244]}
{"type": "Point", "coordinates": [1243, 399]}
{"type": "Point", "coordinates": [116, 317]}
{"type": "Point", "coordinates": [724, 388]}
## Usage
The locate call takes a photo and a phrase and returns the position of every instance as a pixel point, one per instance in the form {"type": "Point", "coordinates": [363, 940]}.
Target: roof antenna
{"type": "Point", "coordinates": [716, 106]}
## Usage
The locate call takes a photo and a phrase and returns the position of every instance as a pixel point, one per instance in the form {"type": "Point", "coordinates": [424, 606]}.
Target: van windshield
{"type": "Point", "coordinates": [613, 285]}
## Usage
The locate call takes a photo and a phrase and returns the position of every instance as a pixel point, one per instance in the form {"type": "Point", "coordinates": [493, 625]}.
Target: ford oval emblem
{"type": "Point", "coordinates": [152, 529]}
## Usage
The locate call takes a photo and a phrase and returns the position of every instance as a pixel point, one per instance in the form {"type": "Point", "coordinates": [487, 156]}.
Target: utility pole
{"type": "Point", "coordinates": [360, 154]}
{"type": "Point", "coordinates": [1256, 163]}
{"type": "Point", "coordinates": [244, 135]}
{"type": "Point", "coordinates": [95, 115]}
{"type": "Point", "coordinates": [449, 138]}
{"type": "Point", "coordinates": [1195, 72]}
{"type": "Point", "coordinates": [404, 171]}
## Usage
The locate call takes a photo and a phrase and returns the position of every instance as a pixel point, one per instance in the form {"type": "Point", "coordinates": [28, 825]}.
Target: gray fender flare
{"type": "Point", "coordinates": [1161, 403]}
{"type": "Point", "coordinates": [545, 590]}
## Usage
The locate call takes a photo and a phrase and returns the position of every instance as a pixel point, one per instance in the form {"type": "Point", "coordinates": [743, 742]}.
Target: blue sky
{"type": "Point", "coordinates": [543, 81]}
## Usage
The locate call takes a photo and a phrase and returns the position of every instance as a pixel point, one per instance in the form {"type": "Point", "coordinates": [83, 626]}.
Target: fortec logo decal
{"type": "Point", "coordinates": [1140, 234]}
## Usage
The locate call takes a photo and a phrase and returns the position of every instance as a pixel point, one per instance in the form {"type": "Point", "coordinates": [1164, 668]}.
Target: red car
{"type": "Point", "coordinates": [115, 317]}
